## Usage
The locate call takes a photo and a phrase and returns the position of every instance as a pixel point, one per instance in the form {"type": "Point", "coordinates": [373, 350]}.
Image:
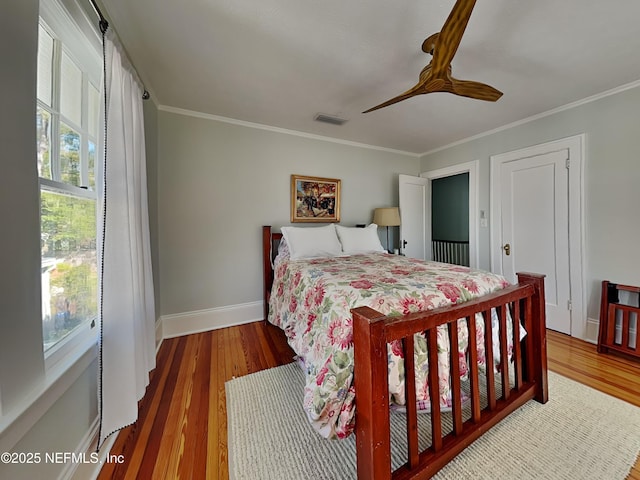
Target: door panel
{"type": "Point", "coordinates": [535, 219]}
{"type": "Point", "coordinates": [412, 192]}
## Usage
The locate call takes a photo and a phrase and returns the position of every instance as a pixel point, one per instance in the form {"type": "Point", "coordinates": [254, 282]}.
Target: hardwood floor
{"type": "Point", "coordinates": [182, 427]}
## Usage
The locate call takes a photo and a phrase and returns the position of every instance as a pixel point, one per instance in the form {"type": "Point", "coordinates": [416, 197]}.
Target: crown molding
{"type": "Point", "coordinates": [286, 131]}
{"type": "Point", "coordinates": [538, 116]}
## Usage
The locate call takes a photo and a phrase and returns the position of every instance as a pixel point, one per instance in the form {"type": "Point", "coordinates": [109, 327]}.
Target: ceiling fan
{"type": "Point", "coordinates": [436, 77]}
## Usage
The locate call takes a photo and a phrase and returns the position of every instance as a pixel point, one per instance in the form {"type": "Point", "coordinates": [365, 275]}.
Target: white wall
{"type": "Point", "coordinates": [612, 181]}
{"type": "Point", "coordinates": [20, 324]}
{"type": "Point", "coordinates": [218, 183]}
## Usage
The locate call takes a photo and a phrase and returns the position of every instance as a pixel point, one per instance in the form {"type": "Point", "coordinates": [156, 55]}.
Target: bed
{"type": "Point", "coordinates": [396, 323]}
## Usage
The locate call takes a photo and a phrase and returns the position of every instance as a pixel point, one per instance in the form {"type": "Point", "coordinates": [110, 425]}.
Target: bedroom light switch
{"type": "Point", "coordinates": [483, 219]}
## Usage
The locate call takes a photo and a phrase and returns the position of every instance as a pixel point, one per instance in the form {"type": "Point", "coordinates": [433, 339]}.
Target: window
{"type": "Point", "coordinates": [68, 104]}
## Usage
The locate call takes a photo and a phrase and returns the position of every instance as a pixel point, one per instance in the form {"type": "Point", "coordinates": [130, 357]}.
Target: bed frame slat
{"type": "Point", "coordinates": [456, 390]}
{"type": "Point", "coordinates": [411, 399]}
{"type": "Point", "coordinates": [527, 351]}
{"type": "Point", "coordinates": [611, 331]}
{"type": "Point", "coordinates": [434, 390]}
{"type": "Point", "coordinates": [504, 352]}
{"type": "Point", "coordinates": [517, 355]}
{"type": "Point", "coordinates": [474, 376]}
{"type": "Point", "coordinates": [625, 328]}
{"type": "Point", "coordinates": [488, 350]}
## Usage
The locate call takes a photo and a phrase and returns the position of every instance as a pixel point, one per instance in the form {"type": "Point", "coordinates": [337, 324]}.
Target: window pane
{"type": "Point", "coordinates": [92, 165]}
{"type": "Point", "coordinates": [69, 155]}
{"type": "Point", "coordinates": [71, 90]}
{"type": "Point", "coordinates": [69, 267]}
{"type": "Point", "coordinates": [45, 62]}
{"type": "Point", "coordinates": [94, 110]}
{"type": "Point", "coordinates": [43, 140]}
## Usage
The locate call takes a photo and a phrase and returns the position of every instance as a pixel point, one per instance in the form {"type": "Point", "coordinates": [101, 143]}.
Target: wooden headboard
{"type": "Point", "coordinates": [270, 242]}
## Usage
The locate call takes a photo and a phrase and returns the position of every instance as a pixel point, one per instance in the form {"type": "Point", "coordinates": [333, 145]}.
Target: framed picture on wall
{"type": "Point", "coordinates": [315, 199]}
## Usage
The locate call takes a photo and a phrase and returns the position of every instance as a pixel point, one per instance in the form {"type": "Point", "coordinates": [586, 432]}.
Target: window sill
{"type": "Point", "coordinates": [63, 354]}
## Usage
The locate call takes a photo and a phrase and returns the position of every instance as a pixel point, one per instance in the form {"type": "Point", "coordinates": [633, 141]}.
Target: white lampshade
{"type": "Point", "coordinates": [386, 217]}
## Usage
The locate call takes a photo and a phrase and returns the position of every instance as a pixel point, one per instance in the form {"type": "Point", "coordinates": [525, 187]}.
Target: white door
{"type": "Point", "coordinates": [535, 232]}
{"type": "Point", "coordinates": [412, 192]}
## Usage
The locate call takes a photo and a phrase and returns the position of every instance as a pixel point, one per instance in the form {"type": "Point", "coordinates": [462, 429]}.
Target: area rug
{"type": "Point", "coordinates": [579, 434]}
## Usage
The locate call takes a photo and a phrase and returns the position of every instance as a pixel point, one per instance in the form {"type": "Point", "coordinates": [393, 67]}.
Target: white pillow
{"type": "Point", "coordinates": [359, 240]}
{"type": "Point", "coordinates": [312, 242]}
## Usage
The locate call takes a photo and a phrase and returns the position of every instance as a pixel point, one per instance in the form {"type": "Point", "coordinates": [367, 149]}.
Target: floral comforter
{"type": "Point", "coordinates": [311, 301]}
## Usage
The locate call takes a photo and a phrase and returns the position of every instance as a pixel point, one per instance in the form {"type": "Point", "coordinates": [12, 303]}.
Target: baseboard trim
{"type": "Point", "coordinates": [593, 327]}
{"type": "Point", "coordinates": [180, 324]}
{"type": "Point", "coordinates": [91, 471]}
{"type": "Point", "coordinates": [159, 333]}
{"type": "Point", "coordinates": [86, 446]}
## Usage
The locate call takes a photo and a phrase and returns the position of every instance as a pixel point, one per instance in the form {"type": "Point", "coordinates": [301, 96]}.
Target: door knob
{"type": "Point", "coordinates": [507, 249]}
{"type": "Point", "coordinates": [404, 243]}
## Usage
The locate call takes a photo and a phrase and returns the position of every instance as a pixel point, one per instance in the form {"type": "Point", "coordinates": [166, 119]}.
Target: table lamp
{"type": "Point", "coordinates": [387, 217]}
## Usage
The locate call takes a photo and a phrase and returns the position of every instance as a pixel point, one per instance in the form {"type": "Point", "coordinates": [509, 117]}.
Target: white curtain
{"type": "Point", "coordinates": [127, 306]}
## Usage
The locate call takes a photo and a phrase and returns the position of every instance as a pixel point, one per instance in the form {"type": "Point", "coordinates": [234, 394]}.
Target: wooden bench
{"type": "Point", "coordinates": [616, 316]}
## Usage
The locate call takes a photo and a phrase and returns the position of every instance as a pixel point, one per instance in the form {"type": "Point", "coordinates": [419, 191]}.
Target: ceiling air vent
{"type": "Point", "coordinates": [321, 117]}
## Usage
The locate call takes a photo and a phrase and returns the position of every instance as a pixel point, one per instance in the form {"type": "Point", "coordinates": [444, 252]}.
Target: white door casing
{"type": "Point", "coordinates": [536, 206]}
{"type": "Point", "coordinates": [412, 201]}
{"type": "Point", "coordinates": [472, 169]}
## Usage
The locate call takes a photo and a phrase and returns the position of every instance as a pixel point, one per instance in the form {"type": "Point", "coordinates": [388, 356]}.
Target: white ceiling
{"type": "Point", "coordinates": [279, 62]}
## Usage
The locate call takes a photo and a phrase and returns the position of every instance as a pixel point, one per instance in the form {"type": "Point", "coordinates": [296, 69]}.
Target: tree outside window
{"type": "Point", "coordinates": [66, 133]}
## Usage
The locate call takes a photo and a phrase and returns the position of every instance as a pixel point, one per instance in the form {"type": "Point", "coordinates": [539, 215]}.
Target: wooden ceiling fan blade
{"type": "Point", "coordinates": [448, 40]}
{"type": "Point", "coordinates": [417, 90]}
{"type": "Point", "coordinates": [429, 43]}
{"type": "Point", "coordinates": [436, 76]}
{"type": "Point", "coordinates": [428, 84]}
{"type": "Point", "coordinates": [477, 90]}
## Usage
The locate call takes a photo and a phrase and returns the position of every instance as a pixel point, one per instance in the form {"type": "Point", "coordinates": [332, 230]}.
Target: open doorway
{"type": "Point", "coordinates": [452, 223]}
{"type": "Point", "coordinates": [450, 219]}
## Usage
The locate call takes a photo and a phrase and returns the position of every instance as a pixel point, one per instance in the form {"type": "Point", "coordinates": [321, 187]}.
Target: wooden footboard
{"type": "Point", "coordinates": [373, 331]}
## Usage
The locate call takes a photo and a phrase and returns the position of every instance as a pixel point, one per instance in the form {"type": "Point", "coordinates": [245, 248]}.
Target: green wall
{"type": "Point", "coordinates": [218, 183]}
{"type": "Point", "coordinates": [450, 208]}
